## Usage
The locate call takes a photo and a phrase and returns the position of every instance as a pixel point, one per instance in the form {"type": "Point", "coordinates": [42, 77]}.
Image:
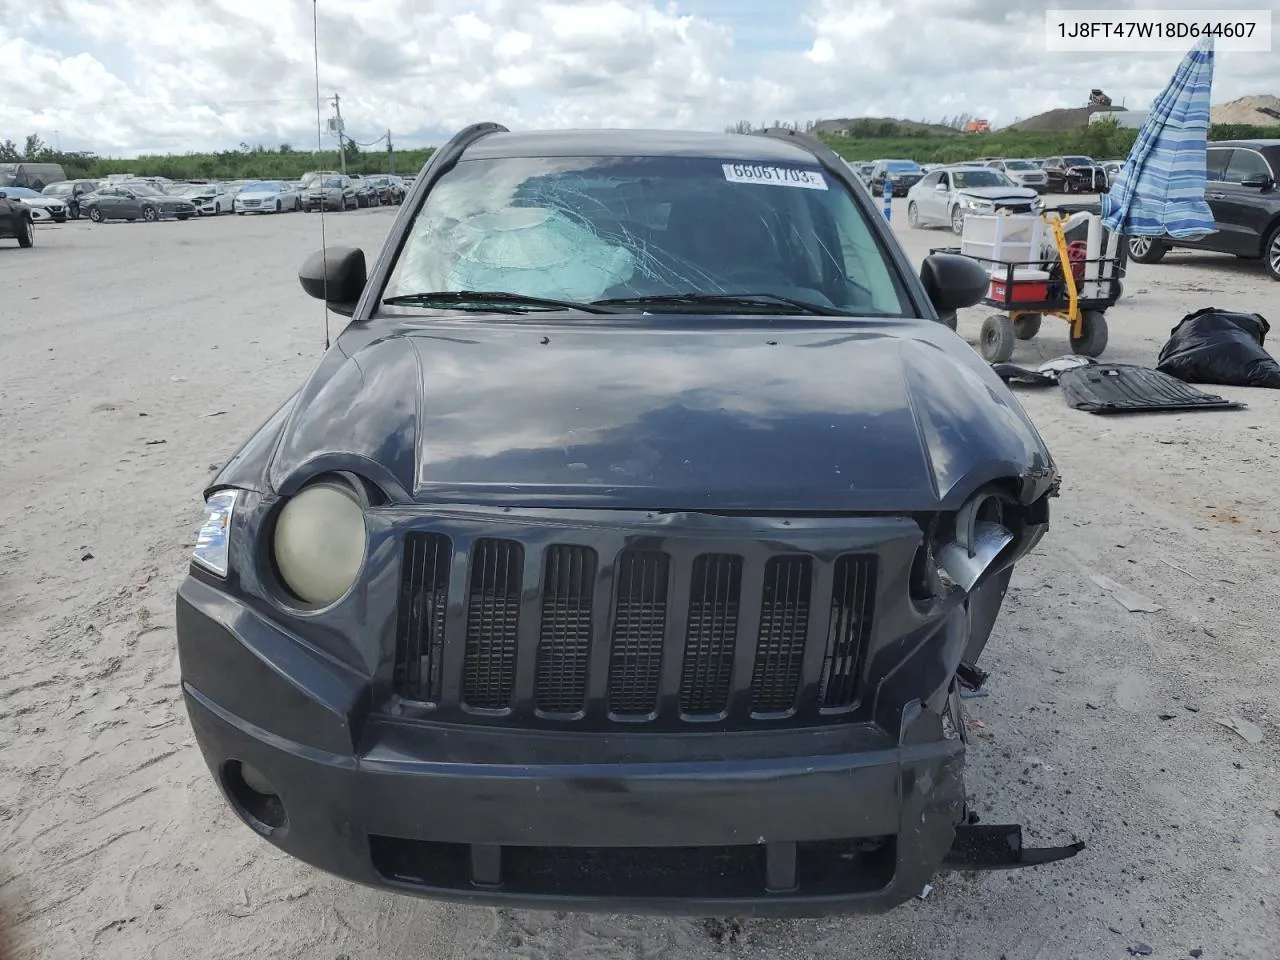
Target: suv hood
{"type": "Point", "coordinates": [899, 415]}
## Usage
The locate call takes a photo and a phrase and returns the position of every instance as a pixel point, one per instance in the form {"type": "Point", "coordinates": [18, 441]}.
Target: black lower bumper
{"type": "Point", "coordinates": [798, 822]}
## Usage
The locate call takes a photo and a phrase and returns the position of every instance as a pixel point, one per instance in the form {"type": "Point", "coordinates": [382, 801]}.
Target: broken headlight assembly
{"type": "Point", "coordinates": [960, 549]}
{"type": "Point", "coordinates": [318, 541]}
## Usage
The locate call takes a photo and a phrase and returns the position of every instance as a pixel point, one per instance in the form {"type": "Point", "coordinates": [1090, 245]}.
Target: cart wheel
{"type": "Point", "coordinates": [949, 318]}
{"type": "Point", "coordinates": [996, 343]}
{"type": "Point", "coordinates": [1026, 325]}
{"type": "Point", "coordinates": [1093, 334]}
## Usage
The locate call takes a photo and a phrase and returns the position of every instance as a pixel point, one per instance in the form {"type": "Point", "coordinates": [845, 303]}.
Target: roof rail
{"type": "Point", "coordinates": [805, 141]}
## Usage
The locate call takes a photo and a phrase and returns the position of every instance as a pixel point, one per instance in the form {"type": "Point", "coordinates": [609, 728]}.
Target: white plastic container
{"type": "Point", "coordinates": [1014, 238]}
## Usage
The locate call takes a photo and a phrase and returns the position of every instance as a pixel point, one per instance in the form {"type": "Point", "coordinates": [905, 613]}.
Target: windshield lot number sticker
{"type": "Point", "coordinates": [781, 176]}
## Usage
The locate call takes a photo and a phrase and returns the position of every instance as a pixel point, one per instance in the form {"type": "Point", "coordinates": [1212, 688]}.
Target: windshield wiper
{"type": "Point", "coordinates": [726, 300]}
{"type": "Point", "coordinates": [480, 299]}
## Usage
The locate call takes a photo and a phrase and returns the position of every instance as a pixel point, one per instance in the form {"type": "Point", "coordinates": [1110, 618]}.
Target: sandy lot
{"type": "Point", "coordinates": [136, 357]}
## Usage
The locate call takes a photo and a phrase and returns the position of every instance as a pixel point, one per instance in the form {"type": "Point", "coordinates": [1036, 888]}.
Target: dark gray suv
{"type": "Point", "coordinates": [1242, 192]}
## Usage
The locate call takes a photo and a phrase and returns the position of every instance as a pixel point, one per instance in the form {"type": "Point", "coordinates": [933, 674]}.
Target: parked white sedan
{"type": "Point", "coordinates": [268, 196]}
{"type": "Point", "coordinates": [210, 199]}
{"type": "Point", "coordinates": [947, 195]}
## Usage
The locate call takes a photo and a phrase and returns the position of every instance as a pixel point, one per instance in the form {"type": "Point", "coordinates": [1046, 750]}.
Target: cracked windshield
{"type": "Point", "coordinates": [585, 229]}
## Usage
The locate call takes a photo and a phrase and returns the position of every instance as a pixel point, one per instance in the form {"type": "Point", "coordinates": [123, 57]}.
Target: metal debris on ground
{"type": "Point", "coordinates": [928, 889]}
{"type": "Point", "coordinates": [1140, 950]}
{"type": "Point", "coordinates": [1250, 731]}
{"type": "Point", "coordinates": [1129, 599]}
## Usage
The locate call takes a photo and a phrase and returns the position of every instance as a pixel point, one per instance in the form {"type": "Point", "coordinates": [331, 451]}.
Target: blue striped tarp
{"type": "Point", "coordinates": [1160, 190]}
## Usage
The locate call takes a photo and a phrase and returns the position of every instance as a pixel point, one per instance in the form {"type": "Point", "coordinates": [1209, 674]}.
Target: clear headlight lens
{"type": "Point", "coordinates": [213, 540]}
{"type": "Point", "coordinates": [319, 542]}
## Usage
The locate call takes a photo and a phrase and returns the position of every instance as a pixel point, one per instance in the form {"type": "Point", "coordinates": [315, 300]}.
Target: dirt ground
{"type": "Point", "coordinates": [135, 359]}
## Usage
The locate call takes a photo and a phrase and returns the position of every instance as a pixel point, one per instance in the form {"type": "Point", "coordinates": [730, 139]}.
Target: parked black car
{"type": "Point", "coordinates": [367, 194]}
{"type": "Point", "coordinates": [16, 221]}
{"type": "Point", "coordinates": [629, 548]}
{"type": "Point", "coordinates": [134, 202]}
{"type": "Point", "coordinates": [1243, 193]}
{"type": "Point", "coordinates": [903, 174]}
{"type": "Point", "coordinates": [1075, 175]}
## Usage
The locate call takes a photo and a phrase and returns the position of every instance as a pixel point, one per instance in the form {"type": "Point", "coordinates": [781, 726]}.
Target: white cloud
{"type": "Point", "coordinates": [122, 76]}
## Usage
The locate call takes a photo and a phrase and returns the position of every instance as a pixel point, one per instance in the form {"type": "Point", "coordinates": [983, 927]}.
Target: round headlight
{"type": "Point", "coordinates": [319, 542]}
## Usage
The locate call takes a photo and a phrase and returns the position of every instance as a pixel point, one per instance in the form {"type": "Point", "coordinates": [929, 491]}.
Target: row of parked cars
{"type": "Point", "coordinates": [156, 198]}
{"type": "Point", "coordinates": [1067, 174]}
{"type": "Point", "coordinates": [1242, 191]}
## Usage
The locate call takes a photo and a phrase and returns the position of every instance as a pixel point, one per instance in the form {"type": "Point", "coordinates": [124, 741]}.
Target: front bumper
{"type": "Point", "coordinates": [792, 822]}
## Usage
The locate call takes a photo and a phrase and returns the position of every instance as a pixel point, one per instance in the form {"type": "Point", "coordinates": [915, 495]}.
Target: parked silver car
{"type": "Point", "coordinates": [947, 195]}
{"type": "Point", "coordinates": [334, 192]}
{"type": "Point", "coordinates": [1025, 173]}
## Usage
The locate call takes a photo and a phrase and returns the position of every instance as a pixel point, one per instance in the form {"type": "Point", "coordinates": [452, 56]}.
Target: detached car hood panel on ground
{"type": "Point", "coordinates": [866, 416]}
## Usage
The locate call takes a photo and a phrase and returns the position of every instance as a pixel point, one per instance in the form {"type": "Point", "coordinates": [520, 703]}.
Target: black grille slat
{"type": "Point", "coordinates": [640, 617]}
{"type": "Point", "coordinates": [493, 612]}
{"type": "Point", "coordinates": [852, 596]}
{"type": "Point", "coordinates": [784, 627]}
{"type": "Point", "coordinates": [714, 595]}
{"type": "Point", "coordinates": [564, 642]}
{"type": "Point", "coordinates": [424, 594]}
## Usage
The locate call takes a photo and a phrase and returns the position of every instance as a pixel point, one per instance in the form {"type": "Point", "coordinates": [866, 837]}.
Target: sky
{"type": "Point", "coordinates": [123, 77]}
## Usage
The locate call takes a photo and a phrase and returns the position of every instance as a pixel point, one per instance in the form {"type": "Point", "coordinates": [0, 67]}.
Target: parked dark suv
{"type": "Point", "coordinates": [1075, 175]}
{"type": "Point", "coordinates": [904, 174]}
{"type": "Point", "coordinates": [1243, 195]}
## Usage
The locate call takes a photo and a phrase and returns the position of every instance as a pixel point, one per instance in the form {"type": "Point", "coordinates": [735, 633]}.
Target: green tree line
{"type": "Point", "coordinates": [283, 162]}
{"type": "Point", "coordinates": [874, 140]}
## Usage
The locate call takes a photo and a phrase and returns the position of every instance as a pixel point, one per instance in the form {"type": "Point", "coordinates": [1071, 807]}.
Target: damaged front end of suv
{"type": "Point", "coordinates": [628, 589]}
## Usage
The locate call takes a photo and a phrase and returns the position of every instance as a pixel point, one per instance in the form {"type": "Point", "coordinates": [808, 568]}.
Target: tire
{"type": "Point", "coordinates": [949, 319]}
{"type": "Point", "coordinates": [1093, 334]}
{"type": "Point", "coordinates": [74, 214]}
{"type": "Point", "coordinates": [279, 206]}
{"type": "Point", "coordinates": [1026, 325]}
{"type": "Point", "coordinates": [184, 216]}
{"type": "Point", "coordinates": [27, 238]}
{"type": "Point", "coordinates": [96, 215]}
{"type": "Point", "coordinates": [239, 213]}
{"type": "Point", "coordinates": [149, 214]}
{"type": "Point", "coordinates": [1146, 250]}
{"type": "Point", "coordinates": [1271, 254]}
{"type": "Point", "coordinates": [913, 216]}
{"type": "Point", "coordinates": [997, 339]}
{"type": "Point", "coordinates": [957, 220]}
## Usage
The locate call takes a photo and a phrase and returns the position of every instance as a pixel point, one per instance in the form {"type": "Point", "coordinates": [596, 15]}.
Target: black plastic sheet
{"type": "Point", "coordinates": [1220, 347]}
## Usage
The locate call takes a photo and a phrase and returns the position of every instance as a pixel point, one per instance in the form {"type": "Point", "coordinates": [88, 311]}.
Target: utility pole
{"type": "Point", "coordinates": [391, 157]}
{"type": "Point", "coordinates": [337, 110]}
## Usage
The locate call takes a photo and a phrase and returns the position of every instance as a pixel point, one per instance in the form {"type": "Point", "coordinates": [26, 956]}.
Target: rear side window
{"type": "Point", "coordinates": [1245, 165]}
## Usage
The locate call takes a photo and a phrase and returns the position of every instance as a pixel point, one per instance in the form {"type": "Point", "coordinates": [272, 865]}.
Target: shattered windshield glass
{"type": "Point", "coordinates": [591, 228]}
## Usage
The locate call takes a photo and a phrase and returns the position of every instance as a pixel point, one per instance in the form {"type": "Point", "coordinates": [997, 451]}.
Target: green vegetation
{"type": "Point", "coordinates": [1104, 140]}
{"type": "Point", "coordinates": [873, 140]}
{"type": "Point", "coordinates": [278, 163]}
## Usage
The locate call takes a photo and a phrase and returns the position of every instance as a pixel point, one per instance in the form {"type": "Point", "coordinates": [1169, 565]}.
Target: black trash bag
{"type": "Point", "coordinates": [1222, 347]}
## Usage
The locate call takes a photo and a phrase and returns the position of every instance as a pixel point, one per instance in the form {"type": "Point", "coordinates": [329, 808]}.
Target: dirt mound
{"type": "Point", "coordinates": [1248, 110]}
{"type": "Point", "coordinates": [1064, 118]}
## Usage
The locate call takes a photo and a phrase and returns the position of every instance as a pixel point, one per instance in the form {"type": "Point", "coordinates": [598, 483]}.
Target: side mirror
{"type": "Point", "coordinates": [1261, 181]}
{"type": "Point", "coordinates": [940, 187]}
{"type": "Point", "coordinates": [336, 276]}
{"type": "Point", "coordinates": [953, 281]}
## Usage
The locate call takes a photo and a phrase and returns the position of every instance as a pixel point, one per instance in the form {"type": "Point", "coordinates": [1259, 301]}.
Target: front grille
{"type": "Point", "coordinates": [570, 635]}
{"type": "Point", "coordinates": [564, 642]}
{"type": "Point", "coordinates": [851, 599]}
{"type": "Point", "coordinates": [640, 627]}
{"type": "Point", "coordinates": [712, 633]}
{"type": "Point", "coordinates": [251, 203]}
{"type": "Point", "coordinates": [784, 627]}
{"type": "Point", "coordinates": [493, 613]}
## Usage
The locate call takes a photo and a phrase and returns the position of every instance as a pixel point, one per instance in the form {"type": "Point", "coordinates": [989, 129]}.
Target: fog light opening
{"type": "Point", "coordinates": [253, 797]}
